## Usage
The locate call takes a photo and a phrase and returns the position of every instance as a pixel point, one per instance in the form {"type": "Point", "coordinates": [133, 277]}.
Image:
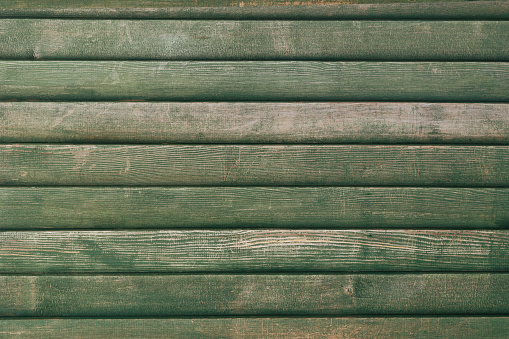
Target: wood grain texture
{"type": "Point", "coordinates": [257, 9]}
{"type": "Point", "coordinates": [167, 251]}
{"type": "Point", "coordinates": [254, 165]}
{"type": "Point", "coordinates": [345, 328]}
{"type": "Point", "coordinates": [253, 40]}
{"type": "Point", "coordinates": [257, 295]}
{"type": "Point", "coordinates": [254, 80]}
{"type": "Point", "coordinates": [318, 207]}
{"type": "Point", "coordinates": [184, 3]}
{"type": "Point", "coordinates": [251, 122]}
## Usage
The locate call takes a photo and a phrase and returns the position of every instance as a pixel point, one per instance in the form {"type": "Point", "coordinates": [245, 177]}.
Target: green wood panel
{"type": "Point", "coordinates": [251, 122]}
{"type": "Point", "coordinates": [253, 251]}
{"type": "Point", "coordinates": [347, 328]}
{"type": "Point", "coordinates": [254, 165]}
{"type": "Point", "coordinates": [253, 40]}
{"type": "Point", "coordinates": [183, 3]}
{"type": "Point", "coordinates": [253, 80]}
{"type": "Point", "coordinates": [303, 207]}
{"type": "Point", "coordinates": [252, 9]}
{"type": "Point", "coordinates": [262, 295]}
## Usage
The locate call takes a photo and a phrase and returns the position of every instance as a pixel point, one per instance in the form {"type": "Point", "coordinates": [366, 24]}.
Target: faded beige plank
{"type": "Point", "coordinates": [223, 122]}
{"type": "Point", "coordinates": [346, 328]}
{"type": "Point", "coordinates": [257, 295]}
{"type": "Point", "coordinates": [255, 250]}
{"type": "Point", "coordinates": [302, 207]}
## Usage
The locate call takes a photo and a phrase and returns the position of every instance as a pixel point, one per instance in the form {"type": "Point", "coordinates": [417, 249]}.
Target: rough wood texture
{"type": "Point", "coordinates": [254, 165]}
{"type": "Point", "coordinates": [345, 328]}
{"type": "Point", "coordinates": [258, 10]}
{"type": "Point", "coordinates": [99, 207]}
{"type": "Point", "coordinates": [322, 122]}
{"type": "Point", "coordinates": [31, 252]}
{"type": "Point", "coordinates": [253, 40]}
{"type": "Point", "coordinates": [183, 3]}
{"type": "Point", "coordinates": [254, 80]}
{"type": "Point", "coordinates": [261, 295]}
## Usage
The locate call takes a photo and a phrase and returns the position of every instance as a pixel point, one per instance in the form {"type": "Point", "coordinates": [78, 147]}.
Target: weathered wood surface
{"type": "Point", "coordinates": [184, 3]}
{"type": "Point", "coordinates": [167, 251]}
{"type": "Point", "coordinates": [346, 328]}
{"type": "Point", "coordinates": [252, 122]}
{"type": "Point", "coordinates": [257, 295]}
{"type": "Point", "coordinates": [257, 9]}
{"type": "Point", "coordinates": [303, 207]}
{"type": "Point", "coordinates": [254, 165]}
{"type": "Point", "coordinates": [254, 80]}
{"type": "Point", "coordinates": [253, 40]}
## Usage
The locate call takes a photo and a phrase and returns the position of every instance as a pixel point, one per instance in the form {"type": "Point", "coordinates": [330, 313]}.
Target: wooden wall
{"type": "Point", "coordinates": [254, 169]}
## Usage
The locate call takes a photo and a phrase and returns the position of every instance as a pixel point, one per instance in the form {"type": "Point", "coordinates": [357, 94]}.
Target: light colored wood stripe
{"type": "Point", "coordinates": [262, 295]}
{"type": "Point", "coordinates": [223, 122]}
{"type": "Point", "coordinates": [347, 328]}
{"type": "Point", "coordinates": [253, 251]}
{"type": "Point", "coordinates": [254, 165]}
{"type": "Point", "coordinates": [305, 207]}
{"type": "Point", "coordinates": [253, 40]}
{"type": "Point", "coordinates": [254, 80]}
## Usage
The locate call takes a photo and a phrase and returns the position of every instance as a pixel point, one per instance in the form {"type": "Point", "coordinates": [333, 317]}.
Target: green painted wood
{"type": "Point", "coordinates": [277, 9]}
{"type": "Point", "coordinates": [165, 251]}
{"type": "Point", "coordinates": [253, 40]}
{"type": "Point", "coordinates": [303, 207]}
{"type": "Point", "coordinates": [253, 165]}
{"type": "Point", "coordinates": [251, 122]}
{"type": "Point", "coordinates": [254, 80]}
{"type": "Point", "coordinates": [347, 327]}
{"type": "Point", "coordinates": [184, 3]}
{"type": "Point", "coordinates": [257, 295]}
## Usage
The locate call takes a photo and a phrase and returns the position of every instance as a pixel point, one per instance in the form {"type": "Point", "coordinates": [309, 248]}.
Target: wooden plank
{"type": "Point", "coordinates": [253, 40]}
{"type": "Point", "coordinates": [256, 295]}
{"type": "Point", "coordinates": [167, 251]}
{"type": "Point", "coordinates": [254, 165]}
{"type": "Point", "coordinates": [184, 3]}
{"type": "Point", "coordinates": [346, 327]}
{"type": "Point", "coordinates": [302, 207]}
{"type": "Point", "coordinates": [277, 9]}
{"type": "Point", "coordinates": [252, 122]}
{"type": "Point", "coordinates": [254, 81]}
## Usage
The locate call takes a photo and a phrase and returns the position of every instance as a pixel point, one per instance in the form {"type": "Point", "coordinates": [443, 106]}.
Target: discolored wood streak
{"type": "Point", "coordinates": [254, 81]}
{"type": "Point", "coordinates": [253, 251]}
{"type": "Point", "coordinates": [363, 9]}
{"type": "Point", "coordinates": [156, 165]}
{"type": "Point", "coordinates": [302, 207]}
{"type": "Point", "coordinates": [252, 122]}
{"type": "Point", "coordinates": [253, 40]}
{"type": "Point", "coordinates": [345, 328]}
{"type": "Point", "coordinates": [263, 295]}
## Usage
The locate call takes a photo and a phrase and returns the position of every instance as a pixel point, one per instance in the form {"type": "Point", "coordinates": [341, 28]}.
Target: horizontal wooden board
{"type": "Point", "coordinates": [303, 207]}
{"type": "Point", "coordinates": [277, 9]}
{"type": "Point", "coordinates": [257, 295]}
{"type": "Point", "coordinates": [346, 327]}
{"type": "Point", "coordinates": [254, 80]}
{"type": "Point", "coordinates": [261, 250]}
{"type": "Point", "coordinates": [253, 40]}
{"type": "Point", "coordinates": [254, 165]}
{"type": "Point", "coordinates": [252, 122]}
{"type": "Point", "coordinates": [184, 3]}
